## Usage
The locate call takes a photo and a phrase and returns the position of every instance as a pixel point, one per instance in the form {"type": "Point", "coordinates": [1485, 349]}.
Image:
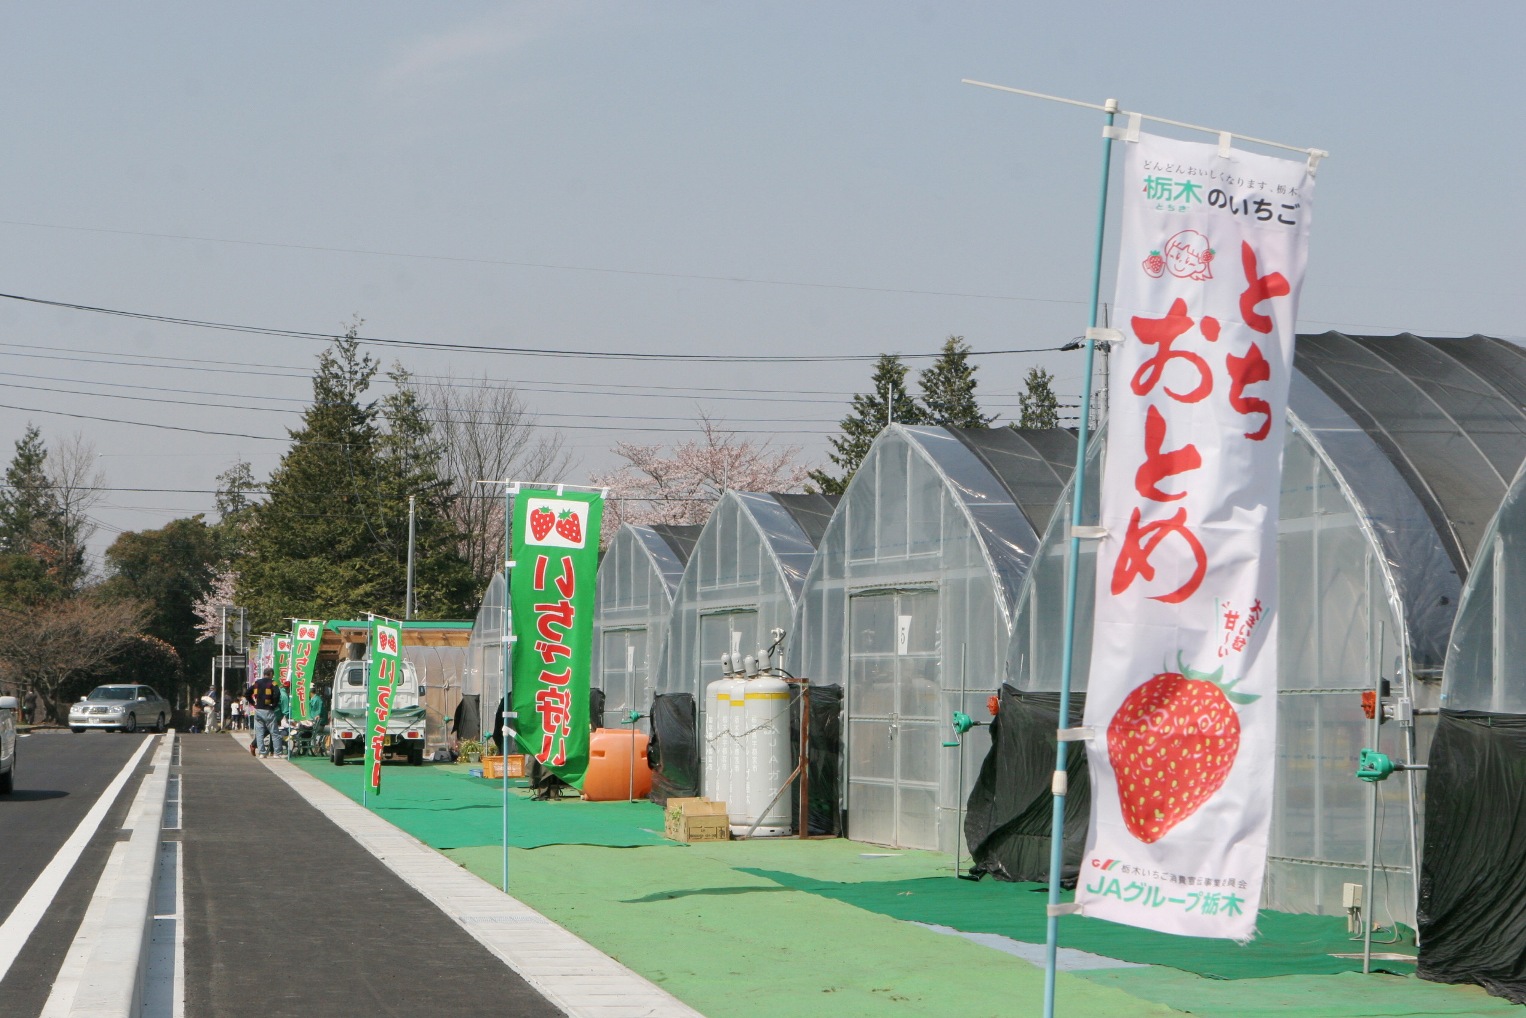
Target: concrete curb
{"type": "Point", "coordinates": [104, 972]}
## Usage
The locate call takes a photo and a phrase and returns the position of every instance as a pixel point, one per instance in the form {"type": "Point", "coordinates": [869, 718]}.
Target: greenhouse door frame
{"type": "Point", "coordinates": [902, 725]}
{"type": "Point", "coordinates": [637, 663]}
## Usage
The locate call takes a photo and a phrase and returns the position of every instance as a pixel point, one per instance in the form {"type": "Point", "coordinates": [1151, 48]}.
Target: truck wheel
{"type": "Point", "coordinates": [416, 754]}
{"type": "Point", "coordinates": [336, 752]}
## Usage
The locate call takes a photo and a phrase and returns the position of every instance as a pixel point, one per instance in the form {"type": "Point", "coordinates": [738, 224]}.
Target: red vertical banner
{"type": "Point", "coordinates": [1182, 691]}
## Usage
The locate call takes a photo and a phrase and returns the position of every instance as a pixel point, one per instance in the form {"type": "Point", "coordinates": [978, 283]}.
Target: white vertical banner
{"type": "Point", "coordinates": [1182, 690]}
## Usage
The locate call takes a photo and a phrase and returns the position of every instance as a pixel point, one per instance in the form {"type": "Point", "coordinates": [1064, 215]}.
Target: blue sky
{"type": "Point", "coordinates": [788, 178]}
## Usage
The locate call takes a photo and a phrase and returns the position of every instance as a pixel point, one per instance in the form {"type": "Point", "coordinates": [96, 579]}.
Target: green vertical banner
{"type": "Point", "coordinates": [305, 638]}
{"type": "Point", "coordinates": [283, 669]}
{"type": "Point", "coordinates": [551, 596]}
{"type": "Point", "coordinates": [385, 658]}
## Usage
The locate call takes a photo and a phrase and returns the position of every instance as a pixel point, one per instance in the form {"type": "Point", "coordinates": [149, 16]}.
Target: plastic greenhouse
{"type": "Point", "coordinates": [909, 608]}
{"type": "Point", "coordinates": [741, 582]}
{"type": "Point", "coordinates": [1473, 901]}
{"type": "Point", "coordinates": [482, 683]}
{"type": "Point", "coordinates": [1399, 448]}
{"type": "Point", "coordinates": [638, 575]}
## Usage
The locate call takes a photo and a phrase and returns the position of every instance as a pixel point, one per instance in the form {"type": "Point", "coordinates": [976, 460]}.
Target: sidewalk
{"type": "Point", "coordinates": [287, 915]}
{"type": "Point", "coordinates": [780, 927]}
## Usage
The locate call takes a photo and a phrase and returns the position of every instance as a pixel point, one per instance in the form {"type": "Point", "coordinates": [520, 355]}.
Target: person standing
{"type": "Point", "coordinates": [265, 699]}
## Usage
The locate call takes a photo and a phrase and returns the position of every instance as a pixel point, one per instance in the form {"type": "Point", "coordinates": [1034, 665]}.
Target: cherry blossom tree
{"type": "Point", "coordinates": [681, 486]}
{"type": "Point", "coordinates": [221, 592]}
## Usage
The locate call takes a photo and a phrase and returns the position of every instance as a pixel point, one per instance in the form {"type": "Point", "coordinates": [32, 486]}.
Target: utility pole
{"type": "Point", "coordinates": [408, 595]}
{"type": "Point", "coordinates": [222, 671]}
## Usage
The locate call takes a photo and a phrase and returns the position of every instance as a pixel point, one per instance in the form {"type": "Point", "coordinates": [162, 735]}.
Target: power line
{"type": "Point", "coordinates": [523, 351]}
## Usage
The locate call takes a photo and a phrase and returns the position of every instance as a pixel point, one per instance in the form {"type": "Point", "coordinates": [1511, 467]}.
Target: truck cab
{"type": "Point", "coordinates": [347, 714]}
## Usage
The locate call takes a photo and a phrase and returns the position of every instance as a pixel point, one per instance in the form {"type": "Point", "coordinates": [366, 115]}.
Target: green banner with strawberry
{"type": "Point", "coordinates": [306, 636]}
{"type": "Point", "coordinates": [555, 555]}
{"type": "Point", "coordinates": [384, 660]}
{"type": "Point", "coordinates": [283, 669]}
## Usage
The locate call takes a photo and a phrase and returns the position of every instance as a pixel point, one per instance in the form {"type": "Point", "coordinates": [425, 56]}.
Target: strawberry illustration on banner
{"type": "Point", "coordinates": [551, 591]}
{"type": "Point", "coordinates": [1211, 260]}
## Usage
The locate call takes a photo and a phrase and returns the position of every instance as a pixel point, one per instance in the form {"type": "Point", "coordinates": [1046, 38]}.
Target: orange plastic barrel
{"type": "Point", "coordinates": [609, 766]}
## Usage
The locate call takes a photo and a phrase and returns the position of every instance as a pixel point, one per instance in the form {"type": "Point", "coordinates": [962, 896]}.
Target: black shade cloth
{"type": "Point", "coordinates": [673, 750]}
{"type": "Point", "coordinates": [824, 768]}
{"type": "Point", "coordinates": [595, 708]}
{"type": "Point", "coordinates": [1472, 911]}
{"type": "Point", "coordinates": [1009, 815]}
{"type": "Point", "coordinates": [468, 722]}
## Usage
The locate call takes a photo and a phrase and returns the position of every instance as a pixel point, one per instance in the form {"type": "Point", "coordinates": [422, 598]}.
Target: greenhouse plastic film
{"type": "Point", "coordinates": [673, 751]}
{"type": "Point", "coordinates": [825, 762]}
{"type": "Point", "coordinates": [1011, 808]}
{"type": "Point", "coordinates": [1473, 876]}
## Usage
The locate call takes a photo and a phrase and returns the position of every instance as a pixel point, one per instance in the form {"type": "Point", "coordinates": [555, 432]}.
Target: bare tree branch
{"type": "Point", "coordinates": [489, 434]}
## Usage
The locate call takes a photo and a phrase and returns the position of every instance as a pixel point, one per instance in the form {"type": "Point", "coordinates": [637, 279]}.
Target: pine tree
{"type": "Point", "coordinates": [29, 514]}
{"type": "Point", "coordinates": [948, 388]}
{"type": "Point", "coordinates": [43, 512]}
{"type": "Point", "coordinates": [331, 540]}
{"type": "Point", "coordinates": [887, 401]}
{"type": "Point", "coordinates": [1038, 406]}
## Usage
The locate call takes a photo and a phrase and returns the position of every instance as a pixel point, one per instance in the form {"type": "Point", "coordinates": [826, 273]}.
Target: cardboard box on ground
{"type": "Point", "coordinates": [697, 820]}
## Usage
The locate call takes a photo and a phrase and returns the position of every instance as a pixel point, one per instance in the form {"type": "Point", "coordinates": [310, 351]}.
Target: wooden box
{"type": "Point", "coordinates": [492, 766]}
{"type": "Point", "coordinates": [696, 820]}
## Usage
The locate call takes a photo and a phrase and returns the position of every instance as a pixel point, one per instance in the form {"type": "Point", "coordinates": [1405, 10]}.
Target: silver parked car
{"type": "Point", "coordinates": [9, 707]}
{"type": "Point", "coordinates": [120, 708]}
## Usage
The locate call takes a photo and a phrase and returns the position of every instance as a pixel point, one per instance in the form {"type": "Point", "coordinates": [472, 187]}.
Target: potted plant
{"type": "Point", "coordinates": [470, 750]}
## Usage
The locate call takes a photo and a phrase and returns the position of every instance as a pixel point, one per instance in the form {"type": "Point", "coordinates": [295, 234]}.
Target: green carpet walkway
{"type": "Point", "coordinates": [782, 927]}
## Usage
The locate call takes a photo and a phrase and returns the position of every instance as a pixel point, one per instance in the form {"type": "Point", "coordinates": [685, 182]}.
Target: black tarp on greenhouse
{"type": "Point", "coordinates": [1011, 807]}
{"type": "Point", "coordinates": [1473, 872]}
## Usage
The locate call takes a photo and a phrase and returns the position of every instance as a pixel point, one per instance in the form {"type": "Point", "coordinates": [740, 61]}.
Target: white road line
{"type": "Point", "coordinates": [29, 911]}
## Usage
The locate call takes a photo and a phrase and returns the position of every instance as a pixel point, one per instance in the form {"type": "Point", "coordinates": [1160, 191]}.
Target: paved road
{"type": "Point", "coordinates": [59, 777]}
{"type": "Point", "coordinates": [285, 914]}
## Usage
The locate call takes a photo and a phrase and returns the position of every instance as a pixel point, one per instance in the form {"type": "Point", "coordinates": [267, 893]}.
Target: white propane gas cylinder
{"type": "Point", "coordinates": [765, 759]}
{"type": "Point", "coordinates": [715, 743]}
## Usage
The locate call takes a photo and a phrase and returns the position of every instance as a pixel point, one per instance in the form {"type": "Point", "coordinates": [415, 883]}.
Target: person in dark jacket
{"type": "Point", "coordinates": [265, 698]}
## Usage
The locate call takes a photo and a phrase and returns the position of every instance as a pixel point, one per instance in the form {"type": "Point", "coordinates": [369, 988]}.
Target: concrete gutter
{"type": "Point", "coordinates": [103, 974]}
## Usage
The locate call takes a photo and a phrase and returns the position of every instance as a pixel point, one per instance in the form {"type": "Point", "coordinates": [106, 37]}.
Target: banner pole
{"type": "Point", "coordinates": [508, 670]}
{"type": "Point", "coordinates": [1078, 490]}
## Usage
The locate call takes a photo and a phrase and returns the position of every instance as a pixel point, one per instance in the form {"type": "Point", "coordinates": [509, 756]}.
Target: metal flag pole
{"type": "Point", "coordinates": [1072, 559]}
{"type": "Point", "coordinates": [508, 668]}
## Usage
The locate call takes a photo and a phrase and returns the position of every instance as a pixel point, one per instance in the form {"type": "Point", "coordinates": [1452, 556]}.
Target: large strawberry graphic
{"type": "Point", "coordinates": [1172, 744]}
{"type": "Point", "coordinates": [541, 522]}
{"type": "Point", "coordinates": [569, 526]}
{"type": "Point", "coordinates": [1154, 265]}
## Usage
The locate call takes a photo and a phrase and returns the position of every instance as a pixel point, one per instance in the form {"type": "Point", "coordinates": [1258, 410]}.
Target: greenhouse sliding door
{"type": "Point", "coordinates": [895, 718]}
{"type": "Point", "coordinates": [622, 676]}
